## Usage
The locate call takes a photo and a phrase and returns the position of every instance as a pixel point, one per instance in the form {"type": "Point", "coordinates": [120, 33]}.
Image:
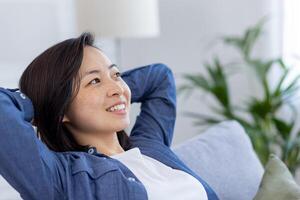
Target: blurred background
{"type": "Point", "coordinates": [181, 34]}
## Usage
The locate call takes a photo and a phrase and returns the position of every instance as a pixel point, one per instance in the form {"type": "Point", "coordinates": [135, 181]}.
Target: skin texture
{"type": "Point", "coordinates": [87, 117]}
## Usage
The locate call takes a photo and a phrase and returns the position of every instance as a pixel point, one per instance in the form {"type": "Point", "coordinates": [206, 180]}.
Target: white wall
{"type": "Point", "coordinates": [28, 27]}
{"type": "Point", "coordinates": [189, 30]}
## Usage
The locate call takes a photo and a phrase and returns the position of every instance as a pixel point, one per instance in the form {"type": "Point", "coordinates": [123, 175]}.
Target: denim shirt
{"type": "Point", "coordinates": [39, 173]}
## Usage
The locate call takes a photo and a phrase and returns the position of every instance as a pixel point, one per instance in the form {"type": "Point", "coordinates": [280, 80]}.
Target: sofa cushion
{"type": "Point", "coordinates": [277, 183]}
{"type": "Point", "coordinates": [224, 157]}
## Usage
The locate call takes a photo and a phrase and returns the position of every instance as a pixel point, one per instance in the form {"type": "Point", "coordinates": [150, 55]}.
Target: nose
{"type": "Point", "coordinates": [115, 89]}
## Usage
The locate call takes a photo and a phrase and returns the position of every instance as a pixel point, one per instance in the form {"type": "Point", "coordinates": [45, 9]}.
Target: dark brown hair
{"type": "Point", "coordinates": [51, 81]}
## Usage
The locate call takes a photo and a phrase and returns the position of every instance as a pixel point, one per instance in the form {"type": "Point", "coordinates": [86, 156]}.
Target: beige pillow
{"type": "Point", "coordinates": [277, 182]}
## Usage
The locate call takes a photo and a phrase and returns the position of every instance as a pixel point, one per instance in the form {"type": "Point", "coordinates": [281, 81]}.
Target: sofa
{"type": "Point", "coordinates": [222, 155]}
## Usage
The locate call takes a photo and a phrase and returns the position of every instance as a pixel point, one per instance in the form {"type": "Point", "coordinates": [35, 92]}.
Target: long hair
{"type": "Point", "coordinates": [51, 81]}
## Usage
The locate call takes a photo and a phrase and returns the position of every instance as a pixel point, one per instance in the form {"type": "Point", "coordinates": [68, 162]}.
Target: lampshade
{"type": "Point", "coordinates": [118, 18]}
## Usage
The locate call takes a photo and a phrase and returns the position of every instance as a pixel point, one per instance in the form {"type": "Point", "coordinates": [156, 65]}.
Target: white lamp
{"type": "Point", "coordinates": [118, 18]}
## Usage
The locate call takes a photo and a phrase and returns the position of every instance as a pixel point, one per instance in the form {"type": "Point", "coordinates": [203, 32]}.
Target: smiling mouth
{"type": "Point", "coordinates": [117, 108]}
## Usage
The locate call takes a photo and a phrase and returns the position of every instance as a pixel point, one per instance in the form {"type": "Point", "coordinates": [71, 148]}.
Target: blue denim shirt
{"type": "Point", "coordinates": [39, 173]}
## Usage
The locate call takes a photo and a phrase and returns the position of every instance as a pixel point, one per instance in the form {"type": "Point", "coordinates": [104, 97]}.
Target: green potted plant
{"type": "Point", "coordinates": [268, 131]}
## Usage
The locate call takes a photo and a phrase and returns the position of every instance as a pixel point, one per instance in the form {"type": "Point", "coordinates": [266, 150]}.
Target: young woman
{"type": "Point", "coordinates": [79, 103]}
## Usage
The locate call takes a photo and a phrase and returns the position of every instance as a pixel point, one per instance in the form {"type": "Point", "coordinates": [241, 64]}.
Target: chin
{"type": "Point", "coordinates": [122, 126]}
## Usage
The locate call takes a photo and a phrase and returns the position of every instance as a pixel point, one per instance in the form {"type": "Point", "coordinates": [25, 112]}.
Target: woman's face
{"type": "Point", "coordinates": [103, 102]}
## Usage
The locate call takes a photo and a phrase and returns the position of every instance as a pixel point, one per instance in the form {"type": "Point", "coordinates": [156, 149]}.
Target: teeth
{"type": "Point", "coordinates": [117, 107]}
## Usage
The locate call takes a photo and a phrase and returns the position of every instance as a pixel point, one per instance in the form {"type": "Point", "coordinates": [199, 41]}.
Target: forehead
{"type": "Point", "coordinates": [93, 58]}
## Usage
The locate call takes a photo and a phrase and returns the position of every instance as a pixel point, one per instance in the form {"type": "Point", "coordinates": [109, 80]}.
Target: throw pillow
{"type": "Point", "coordinates": [277, 182]}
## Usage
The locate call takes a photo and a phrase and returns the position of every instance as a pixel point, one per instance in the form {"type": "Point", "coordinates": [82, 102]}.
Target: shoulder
{"type": "Point", "coordinates": [76, 162]}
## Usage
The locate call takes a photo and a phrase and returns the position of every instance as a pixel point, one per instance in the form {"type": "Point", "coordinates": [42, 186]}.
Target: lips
{"type": "Point", "coordinates": [117, 103]}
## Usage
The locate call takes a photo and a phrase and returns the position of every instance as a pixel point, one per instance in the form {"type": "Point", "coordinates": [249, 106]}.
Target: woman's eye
{"type": "Point", "coordinates": [94, 81]}
{"type": "Point", "coordinates": [118, 74]}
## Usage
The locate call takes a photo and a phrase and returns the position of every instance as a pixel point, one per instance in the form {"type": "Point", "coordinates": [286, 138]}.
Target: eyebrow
{"type": "Point", "coordinates": [96, 71]}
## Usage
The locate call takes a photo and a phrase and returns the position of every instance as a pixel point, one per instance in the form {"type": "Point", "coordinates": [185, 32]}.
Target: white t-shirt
{"type": "Point", "coordinates": [160, 180]}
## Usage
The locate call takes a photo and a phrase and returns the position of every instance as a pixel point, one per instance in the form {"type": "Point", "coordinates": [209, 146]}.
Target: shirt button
{"type": "Point", "coordinates": [22, 95]}
{"type": "Point", "coordinates": [104, 158]}
{"type": "Point", "coordinates": [131, 179]}
{"type": "Point", "coordinates": [91, 151]}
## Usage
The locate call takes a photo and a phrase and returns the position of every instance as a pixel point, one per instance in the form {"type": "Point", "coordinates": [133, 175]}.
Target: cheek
{"type": "Point", "coordinates": [127, 92]}
{"type": "Point", "coordinates": [88, 114]}
{"type": "Point", "coordinates": [84, 108]}
{"type": "Point", "coordinates": [92, 104]}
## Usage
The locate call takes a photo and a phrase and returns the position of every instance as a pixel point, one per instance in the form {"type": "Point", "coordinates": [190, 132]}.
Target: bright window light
{"type": "Point", "coordinates": [291, 34]}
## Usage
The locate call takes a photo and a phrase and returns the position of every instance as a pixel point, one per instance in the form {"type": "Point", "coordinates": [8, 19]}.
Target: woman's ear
{"type": "Point", "coordinates": [65, 119]}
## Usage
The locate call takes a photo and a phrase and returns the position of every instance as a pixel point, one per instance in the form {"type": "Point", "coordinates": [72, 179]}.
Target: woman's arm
{"type": "Point", "coordinates": [25, 162]}
{"type": "Point", "coordinates": [154, 87]}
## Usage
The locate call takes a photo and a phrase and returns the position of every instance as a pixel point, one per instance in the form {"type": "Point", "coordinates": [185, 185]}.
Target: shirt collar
{"type": "Point", "coordinates": [91, 150]}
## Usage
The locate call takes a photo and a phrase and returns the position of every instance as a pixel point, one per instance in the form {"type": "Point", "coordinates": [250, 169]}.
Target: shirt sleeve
{"type": "Point", "coordinates": [25, 162]}
{"type": "Point", "coordinates": [154, 87]}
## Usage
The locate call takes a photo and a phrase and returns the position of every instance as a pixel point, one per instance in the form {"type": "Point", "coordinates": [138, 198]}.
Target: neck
{"type": "Point", "coordinates": [107, 144]}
